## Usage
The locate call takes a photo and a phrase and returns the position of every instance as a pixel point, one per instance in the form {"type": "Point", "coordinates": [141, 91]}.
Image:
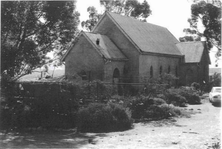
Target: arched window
{"type": "Point", "coordinates": [151, 71]}
{"type": "Point", "coordinates": [83, 75]}
{"type": "Point", "coordinates": [116, 73]}
{"type": "Point", "coordinates": [169, 69]}
{"type": "Point", "coordinates": [161, 69]}
{"type": "Point", "coordinates": [176, 72]}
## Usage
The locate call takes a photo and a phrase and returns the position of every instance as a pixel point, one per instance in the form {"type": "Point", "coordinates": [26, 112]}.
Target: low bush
{"type": "Point", "coordinates": [39, 113]}
{"type": "Point", "coordinates": [195, 85]}
{"type": "Point", "coordinates": [158, 101]}
{"type": "Point", "coordinates": [138, 105]}
{"type": "Point", "coordinates": [174, 98]}
{"type": "Point", "coordinates": [191, 96]}
{"type": "Point", "coordinates": [163, 111]}
{"type": "Point", "coordinates": [98, 117]}
{"type": "Point", "coordinates": [143, 108]}
{"type": "Point", "coordinates": [49, 111]}
{"type": "Point", "coordinates": [181, 96]}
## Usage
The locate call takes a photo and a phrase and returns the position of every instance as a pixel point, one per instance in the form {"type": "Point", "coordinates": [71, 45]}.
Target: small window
{"type": "Point", "coordinates": [84, 75]}
{"type": "Point", "coordinates": [151, 71]}
{"type": "Point", "coordinates": [169, 69]}
{"type": "Point", "coordinates": [176, 72]}
{"type": "Point", "coordinates": [161, 69]}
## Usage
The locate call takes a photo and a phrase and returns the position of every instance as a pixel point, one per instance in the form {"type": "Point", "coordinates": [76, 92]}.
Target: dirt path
{"type": "Point", "coordinates": [197, 132]}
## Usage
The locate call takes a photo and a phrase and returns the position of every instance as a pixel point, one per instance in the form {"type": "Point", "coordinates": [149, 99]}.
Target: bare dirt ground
{"type": "Point", "coordinates": [199, 131]}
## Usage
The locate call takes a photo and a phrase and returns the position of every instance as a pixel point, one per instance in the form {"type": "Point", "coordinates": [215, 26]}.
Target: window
{"type": "Point", "coordinates": [116, 75]}
{"type": "Point", "coordinates": [169, 69]}
{"type": "Point", "coordinates": [84, 75]}
{"type": "Point", "coordinates": [176, 72]}
{"type": "Point", "coordinates": [151, 71]}
{"type": "Point", "coordinates": [161, 69]}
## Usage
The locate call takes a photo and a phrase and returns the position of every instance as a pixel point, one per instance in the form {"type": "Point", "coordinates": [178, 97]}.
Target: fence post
{"type": "Point", "coordinates": [89, 89]}
{"type": "Point", "coordinates": [97, 90]}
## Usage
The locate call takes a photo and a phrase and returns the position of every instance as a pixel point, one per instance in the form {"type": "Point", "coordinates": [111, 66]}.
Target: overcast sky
{"type": "Point", "coordinates": [172, 14]}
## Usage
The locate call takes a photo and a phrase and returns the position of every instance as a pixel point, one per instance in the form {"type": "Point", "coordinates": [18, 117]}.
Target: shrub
{"type": "Point", "coordinates": [143, 107]}
{"type": "Point", "coordinates": [171, 110]}
{"type": "Point", "coordinates": [194, 99]}
{"type": "Point", "coordinates": [174, 98]}
{"type": "Point", "coordinates": [99, 117]}
{"type": "Point", "coordinates": [181, 96]}
{"type": "Point", "coordinates": [121, 117]}
{"type": "Point", "coordinates": [161, 96]}
{"type": "Point", "coordinates": [161, 112]}
{"type": "Point", "coordinates": [138, 106]}
{"type": "Point", "coordinates": [158, 101]}
{"type": "Point", "coordinates": [191, 96]}
{"type": "Point", "coordinates": [195, 85]}
{"type": "Point", "coordinates": [154, 112]}
{"type": "Point", "coordinates": [46, 111]}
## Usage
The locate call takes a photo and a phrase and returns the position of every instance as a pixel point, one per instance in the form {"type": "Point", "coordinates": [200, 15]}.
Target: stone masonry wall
{"type": "Point", "coordinates": [83, 57]}
{"type": "Point", "coordinates": [167, 63]}
{"type": "Point", "coordinates": [131, 67]}
{"type": "Point", "coordinates": [109, 69]}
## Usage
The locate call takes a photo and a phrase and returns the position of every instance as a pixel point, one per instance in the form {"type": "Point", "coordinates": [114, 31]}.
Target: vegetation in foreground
{"type": "Point", "coordinates": [58, 106]}
{"type": "Point", "coordinates": [97, 117]}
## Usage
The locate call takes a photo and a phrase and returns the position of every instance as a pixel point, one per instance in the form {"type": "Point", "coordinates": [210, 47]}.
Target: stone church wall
{"type": "Point", "coordinates": [83, 57]}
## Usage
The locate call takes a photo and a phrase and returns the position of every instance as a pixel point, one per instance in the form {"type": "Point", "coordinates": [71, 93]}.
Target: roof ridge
{"type": "Point", "coordinates": [136, 19]}
{"type": "Point", "coordinates": [119, 26]}
{"type": "Point", "coordinates": [187, 42]}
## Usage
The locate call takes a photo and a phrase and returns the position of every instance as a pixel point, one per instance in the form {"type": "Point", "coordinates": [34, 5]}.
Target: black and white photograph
{"type": "Point", "coordinates": [110, 74]}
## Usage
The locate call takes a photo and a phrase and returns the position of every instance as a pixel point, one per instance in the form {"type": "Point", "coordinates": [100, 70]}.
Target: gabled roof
{"type": "Point", "coordinates": [147, 37]}
{"type": "Point", "coordinates": [193, 51]}
{"type": "Point", "coordinates": [106, 47]}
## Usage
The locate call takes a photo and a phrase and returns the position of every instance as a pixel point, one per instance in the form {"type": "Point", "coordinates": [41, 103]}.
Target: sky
{"type": "Point", "coordinates": [172, 14]}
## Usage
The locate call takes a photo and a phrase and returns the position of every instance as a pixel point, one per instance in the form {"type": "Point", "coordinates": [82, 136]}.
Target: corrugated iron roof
{"type": "Point", "coordinates": [193, 51]}
{"type": "Point", "coordinates": [148, 37]}
{"type": "Point", "coordinates": [106, 47]}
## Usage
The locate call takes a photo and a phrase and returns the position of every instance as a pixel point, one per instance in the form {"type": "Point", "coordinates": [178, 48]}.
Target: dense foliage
{"type": "Point", "coordinates": [31, 29]}
{"type": "Point", "coordinates": [53, 106]}
{"type": "Point", "coordinates": [58, 105]}
{"type": "Point", "coordinates": [47, 105]}
{"type": "Point", "coordinates": [209, 14]}
{"type": "Point", "coordinates": [181, 96]}
{"type": "Point", "coordinates": [215, 79]}
{"type": "Point", "coordinates": [173, 97]}
{"type": "Point", "coordinates": [145, 108]}
{"type": "Point", "coordinates": [99, 117]}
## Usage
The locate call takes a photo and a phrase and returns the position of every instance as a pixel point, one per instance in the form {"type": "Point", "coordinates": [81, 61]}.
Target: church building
{"type": "Point", "coordinates": [120, 47]}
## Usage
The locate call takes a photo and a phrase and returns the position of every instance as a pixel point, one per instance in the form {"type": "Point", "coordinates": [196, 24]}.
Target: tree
{"type": "Point", "coordinates": [131, 8]}
{"type": "Point", "coordinates": [209, 14]}
{"type": "Point", "coordinates": [215, 80]}
{"type": "Point", "coordinates": [93, 18]}
{"type": "Point", "coordinates": [31, 29]}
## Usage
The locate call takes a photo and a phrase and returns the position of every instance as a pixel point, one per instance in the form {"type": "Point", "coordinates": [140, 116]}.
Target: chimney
{"type": "Point", "coordinates": [97, 41]}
